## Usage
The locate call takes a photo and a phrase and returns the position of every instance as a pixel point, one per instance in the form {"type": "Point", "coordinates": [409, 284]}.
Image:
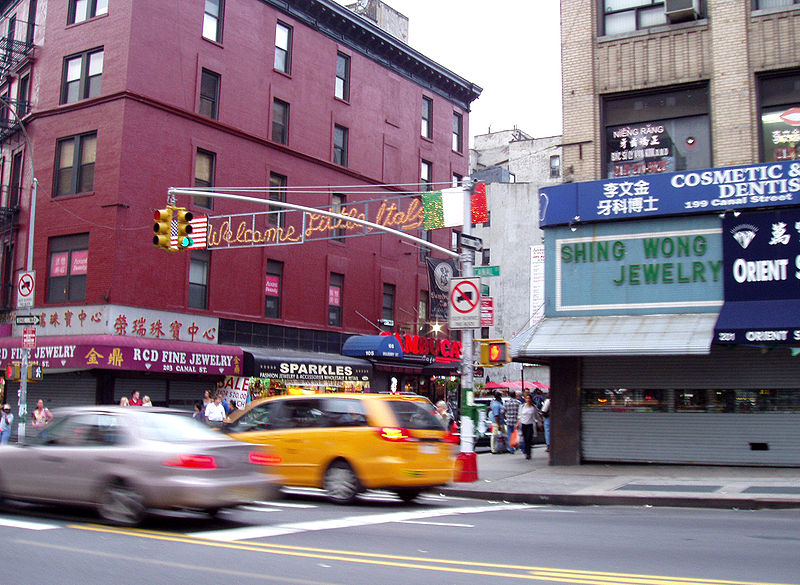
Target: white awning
{"type": "Point", "coordinates": [676, 334]}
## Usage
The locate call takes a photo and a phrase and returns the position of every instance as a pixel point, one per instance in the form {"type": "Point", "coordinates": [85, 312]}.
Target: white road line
{"type": "Point", "coordinates": [26, 525]}
{"type": "Point", "coordinates": [286, 505]}
{"type": "Point", "coordinates": [456, 524]}
{"type": "Point", "coordinates": [347, 522]}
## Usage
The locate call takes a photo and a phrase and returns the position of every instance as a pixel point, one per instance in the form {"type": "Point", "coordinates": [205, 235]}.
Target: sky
{"type": "Point", "coordinates": [510, 48]}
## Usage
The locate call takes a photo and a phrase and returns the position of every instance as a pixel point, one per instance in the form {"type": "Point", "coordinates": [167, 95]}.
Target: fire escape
{"type": "Point", "coordinates": [16, 53]}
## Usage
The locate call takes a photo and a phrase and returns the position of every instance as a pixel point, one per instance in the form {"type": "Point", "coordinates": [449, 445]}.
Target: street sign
{"type": "Point", "coordinates": [465, 303]}
{"type": "Point", "coordinates": [470, 242]}
{"type": "Point", "coordinates": [26, 320]}
{"type": "Point", "coordinates": [487, 271]}
{"type": "Point", "coordinates": [487, 311]}
{"type": "Point", "coordinates": [29, 337]}
{"type": "Point", "coordinates": [26, 284]}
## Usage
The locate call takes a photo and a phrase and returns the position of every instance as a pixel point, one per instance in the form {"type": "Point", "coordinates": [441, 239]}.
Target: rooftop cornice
{"type": "Point", "coordinates": [346, 27]}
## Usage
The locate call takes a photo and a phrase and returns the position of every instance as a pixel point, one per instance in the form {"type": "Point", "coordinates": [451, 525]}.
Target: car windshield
{"type": "Point", "coordinates": [414, 414]}
{"type": "Point", "coordinates": [164, 426]}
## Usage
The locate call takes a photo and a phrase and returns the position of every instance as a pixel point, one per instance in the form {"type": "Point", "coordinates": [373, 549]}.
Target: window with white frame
{"type": "Point", "coordinates": [75, 158]}
{"type": "Point", "coordinates": [458, 132]}
{"type": "Point", "coordinates": [427, 117]}
{"type": "Point", "coordinates": [204, 167]}
{"type": "Point", "coordinates": [283, 47]}
{"type": "Point", "coordinates": [342, 90]}
{"type": "Point", "coordinates": [212, 20]}
{"type": "Point", "coordinates": [209, 94]}
{"type": "Point", "coordinates": [80, 10]}
{"type": "Point", "coordinates": [621, 16]}
{"type": "Point", "coordinates": [280, 121]}
{"type": "Point", "coordinates": [198, 279]}
{"type": "Point", "coordinates": [341, 138]}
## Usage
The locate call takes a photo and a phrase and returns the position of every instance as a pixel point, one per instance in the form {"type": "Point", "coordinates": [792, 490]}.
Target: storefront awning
{"type": "Point", "coordinates": [120, 352]}
{"type": "Point", "coordinates": [301, 366]}
{"type": "Point", "coordinates": [773, 322]}
{"type": "Point", "coordinates": [372, 346]}
{"type": "Point", "coordinates": [676, 334]}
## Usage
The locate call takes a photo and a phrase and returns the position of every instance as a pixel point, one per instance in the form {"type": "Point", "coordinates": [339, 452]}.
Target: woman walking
{"type": "Point", "coordinates": [525, 421]}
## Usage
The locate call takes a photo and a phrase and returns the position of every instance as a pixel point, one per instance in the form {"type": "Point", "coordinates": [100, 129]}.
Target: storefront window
{"type": "Point", "coordinates": [657, 132]}
{"type": "Point", "coordinates": [780, 117]}
{"type": "Point", "coordinates": [692, 400]}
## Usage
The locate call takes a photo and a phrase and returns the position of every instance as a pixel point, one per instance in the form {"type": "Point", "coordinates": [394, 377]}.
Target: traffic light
{"type": "Point", "coordinates": [184, 228]}
{"type": "Point", "coordinates": [35, 373]}
{"type": "Point", "coordinates": [162, 227]}
{"type": "Point", "coordinates": [494, 352]}
{"type": "Point", "coordinates": [13, 372]}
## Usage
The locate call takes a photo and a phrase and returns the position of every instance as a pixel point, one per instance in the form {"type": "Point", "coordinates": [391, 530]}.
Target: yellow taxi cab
{"type": "Point", "coordinates": [347, 443]}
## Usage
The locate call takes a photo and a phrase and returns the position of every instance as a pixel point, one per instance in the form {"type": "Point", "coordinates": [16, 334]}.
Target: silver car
{"type": "Point", "coordinates": [124, 461]}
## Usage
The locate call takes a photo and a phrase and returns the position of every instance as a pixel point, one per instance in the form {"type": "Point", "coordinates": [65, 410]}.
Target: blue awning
{"type": "Point", "coordinates": [372, 346]}
{"type": "Point", "coordinates": [774, 322]}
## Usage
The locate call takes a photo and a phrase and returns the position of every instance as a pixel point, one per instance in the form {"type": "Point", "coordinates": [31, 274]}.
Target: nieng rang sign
{"type": "Point", "coordinates": [650, 195]}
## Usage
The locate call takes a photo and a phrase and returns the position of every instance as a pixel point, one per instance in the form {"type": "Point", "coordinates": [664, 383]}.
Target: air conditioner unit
{"type": "Point", "coordinates": [677, 10]}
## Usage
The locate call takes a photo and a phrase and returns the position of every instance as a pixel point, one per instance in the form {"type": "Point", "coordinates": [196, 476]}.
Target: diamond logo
{"type": "Point", "coordinates": [744, 234]}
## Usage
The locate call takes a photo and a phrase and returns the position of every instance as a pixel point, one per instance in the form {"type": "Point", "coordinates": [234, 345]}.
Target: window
{"type": "Point", "coordinates": [486, 256]}
{"type": "Point", "coordinates": [67, 267]}
{"type": "Point", "coordinates": [426, 175]}
{"type": "Point", "coordinates": [15, 180]}
{"type": "Point", "coordinates": [209, 94]}
{"type": "Point", "coordinates": [82, 76]}
{"type": "Point", "coordinates": [342, 77]}
{"type": "Point", "coordinates": [280, 121]}
{"type": "Point", "coordinates": [779, 98]}
{"type": "Point", "coordinates": [198, 279]}
{"type": "Point", "coordinates": [458, 132]}
{"type": "Point", "coordinates": [212, 20]}
{"type": "Point", "coordinates": [761, 4]}
{"type": "Point", "coordinates": [204, 164]}
{"type": "Point", "coordinates": [277, 192]}
{"type": "Point", "coordinates": [337, 206]}
{"type": "Point", "coordinates": [621, 16]}
{"type": "Point", "coordinates": [80, 10]}
{"type": "Point", "coordinates": [272, 289]}
{"type": "Point", "coordinates": [555, 166]}
{"type": "Point", "coordinates": [75, 157]}
{"type": "Point", "coordinates": [424, 251]}
{"type": "Point", "coordinates": [427, 117]}
{"type": "Point", "coordinates": [457, 180]}
{"type": "Point", "coordinates": [335, 299]}
{"type": "Point", "coordinates": [283, 47]}
{"type": "Point", "coordinates": [387, 308]}
{"type": "Point", "coordinates": [657, 132]}
{"type": "Point", "coordinates": [340, 140]}
{"type": "Point", "coordinates": [23, 93]}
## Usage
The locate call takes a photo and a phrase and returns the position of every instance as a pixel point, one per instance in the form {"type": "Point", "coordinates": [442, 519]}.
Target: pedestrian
{"type": "Point", "coordinates": [6, 420]}
{"type": "Point", "coordinates": [41, 416]}
{"type": "Point", "coordinates": [146, 401]}
{"type": "Point", "coordinates": [124, 401]}
{"type": "Point", "coordinates": [215, 412]}
{"type": "Point", "coordinates": [527, 423]}
{"type": "Point", "coordinates": [199, 411]}
{"type": "Point", "coordinates": [511, 407]}
{"type": "Point", "coordinates": [498, 439]}
{"type": "Point", "coordinates": [545, 410]}
{"type": "Point", "coordinates": [134, 399]}
{"type": "Point", "coordinates": [537, 398]}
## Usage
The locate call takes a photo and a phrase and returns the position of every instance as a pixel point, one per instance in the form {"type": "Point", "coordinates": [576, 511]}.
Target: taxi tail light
{"type": "Point", "coordinates": [192, 462]}
{"type": "Point", "coordinates": [451, 437]}
{"type": "Point", "coordinates": [394, 434]}
{"type": "Point", "coordinates": [261, 458]}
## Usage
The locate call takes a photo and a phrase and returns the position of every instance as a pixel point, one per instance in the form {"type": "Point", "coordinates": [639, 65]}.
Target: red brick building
{"type": "Point", "coordinates": [108, 104]}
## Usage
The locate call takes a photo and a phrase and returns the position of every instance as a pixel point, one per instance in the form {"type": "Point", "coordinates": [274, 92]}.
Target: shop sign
{"type": "Point", "coordinates": [762, 256]}
{"type": "Point", "coordinates": [307, 372]}
{"type": "Point", "coordinates": [235, 389]}
{"type": "Point", "coordinates": [106, 352]}
{"type": "Point", "coordinates": [684, 192]}
{"type": "Point", "coordinates": [417, 345]}
{"type": "Point", "coordinates": [634, 268]}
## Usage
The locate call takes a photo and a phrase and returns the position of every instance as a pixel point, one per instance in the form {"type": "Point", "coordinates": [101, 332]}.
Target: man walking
{"type": "Point", "coordinates": [498, 424]}
{"type": "Point", "coordinates": [6, 420]}
{"type": "Point", "coordinates": [511, 406]}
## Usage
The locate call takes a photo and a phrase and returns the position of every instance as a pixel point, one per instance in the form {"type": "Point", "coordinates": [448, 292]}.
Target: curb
{"type": "Point", "coordinates": [619, 500]}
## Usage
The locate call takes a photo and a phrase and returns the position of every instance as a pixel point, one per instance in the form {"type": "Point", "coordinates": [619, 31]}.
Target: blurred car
{"type": "Point", "coordinates": [347, 443]}
{"type": "Point", "coordinates": [124, 461]}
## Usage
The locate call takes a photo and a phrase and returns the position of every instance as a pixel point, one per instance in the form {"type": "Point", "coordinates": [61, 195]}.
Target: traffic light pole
{"type": "Point", "coordinates": [467, 377]}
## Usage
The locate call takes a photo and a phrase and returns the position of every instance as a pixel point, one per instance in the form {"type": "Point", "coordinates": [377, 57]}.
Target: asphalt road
{"type": "Point", "coordinates": [305, 540]}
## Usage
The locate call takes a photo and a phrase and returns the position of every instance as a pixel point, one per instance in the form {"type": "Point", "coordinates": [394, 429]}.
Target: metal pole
{"type": "Point", "coordinates": [22, 411]}
{"type": "Point", "coordinates": [467, 381]}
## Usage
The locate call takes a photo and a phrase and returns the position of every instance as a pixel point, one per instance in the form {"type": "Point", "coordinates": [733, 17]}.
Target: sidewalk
{"type": "Point", "coordinates": [512, 478]}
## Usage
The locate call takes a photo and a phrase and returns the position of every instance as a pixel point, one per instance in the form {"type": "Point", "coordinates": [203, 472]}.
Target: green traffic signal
{"type": "Point", "coordinates": [184, 228]}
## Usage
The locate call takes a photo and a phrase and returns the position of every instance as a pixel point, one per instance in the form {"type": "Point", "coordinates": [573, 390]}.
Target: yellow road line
{"type": "Point", "coordinates": [509, 571]}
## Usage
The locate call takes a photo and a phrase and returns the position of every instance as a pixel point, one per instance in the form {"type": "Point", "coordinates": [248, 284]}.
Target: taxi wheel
{"type": "Point", "coordinates": [120, 504]}
{"type": "Point", "coordinates": [408, 494]}
{"type": "Point", "coordinates": [341, 483]}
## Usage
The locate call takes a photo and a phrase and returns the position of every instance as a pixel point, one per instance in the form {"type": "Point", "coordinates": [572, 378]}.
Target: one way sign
{"type": "Point", "coordinates": [465, 303]}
